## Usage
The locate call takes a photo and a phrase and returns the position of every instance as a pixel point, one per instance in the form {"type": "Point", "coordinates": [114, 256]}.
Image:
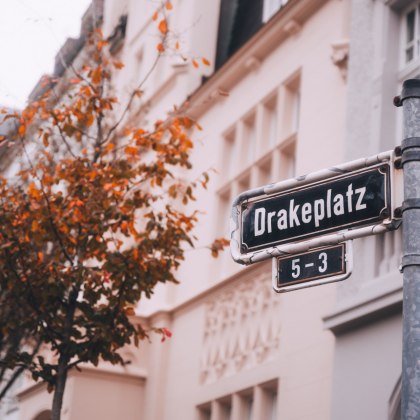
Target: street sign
{"type": "Point", "coordinates": [311, 268]}
{"type": "Point", "coordinates": [346, 201]}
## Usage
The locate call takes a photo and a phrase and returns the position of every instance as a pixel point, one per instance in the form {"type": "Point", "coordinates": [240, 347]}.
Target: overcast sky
{"type": "Point", "coordinates": [31, 33]}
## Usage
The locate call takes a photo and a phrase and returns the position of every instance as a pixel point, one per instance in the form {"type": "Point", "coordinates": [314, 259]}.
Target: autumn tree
{"type": "Point", "coordinates": [92, 222]}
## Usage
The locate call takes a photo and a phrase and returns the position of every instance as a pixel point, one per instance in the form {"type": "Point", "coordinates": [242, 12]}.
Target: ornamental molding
{"type": "Point", "coordinates": [340, 56]}
{"type": "Point", "coordinates": [241, 329]}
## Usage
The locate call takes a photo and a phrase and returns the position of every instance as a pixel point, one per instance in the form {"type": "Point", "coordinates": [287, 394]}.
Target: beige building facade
{"type": "Point", "coordinates": [284, 95]}
{"type": "Point", "coordinates": [238, 350]}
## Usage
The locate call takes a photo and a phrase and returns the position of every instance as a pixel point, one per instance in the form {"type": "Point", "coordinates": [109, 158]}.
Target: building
{"type": "Point", "coordinates": [276, 98]}
{"type": "Point", "coordinates": [367, 318]}
{"type": "Point", "coordinates": [284, 95]}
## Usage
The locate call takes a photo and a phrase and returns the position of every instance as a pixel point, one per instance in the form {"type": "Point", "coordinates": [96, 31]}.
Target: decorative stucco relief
{"type": "Point", "coordinates": [340, 56]}
{"type": "Point", "coordinates": [242, 328]}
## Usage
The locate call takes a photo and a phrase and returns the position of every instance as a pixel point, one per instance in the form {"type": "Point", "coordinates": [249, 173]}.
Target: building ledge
{"type": "Point", "coordinates": [137, 375]}
{"type": "Point", "coordinates": [379, 297]}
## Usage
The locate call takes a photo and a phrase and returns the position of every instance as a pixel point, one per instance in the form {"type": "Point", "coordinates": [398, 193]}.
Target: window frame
{"type": "Point", "coordinates": [413, 43]}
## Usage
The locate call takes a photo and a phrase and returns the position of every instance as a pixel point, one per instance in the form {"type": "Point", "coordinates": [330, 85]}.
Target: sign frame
{"type": "Point", "coordinates": [347, 255]}
{"type": "Point", "coordinates": [340, 234]}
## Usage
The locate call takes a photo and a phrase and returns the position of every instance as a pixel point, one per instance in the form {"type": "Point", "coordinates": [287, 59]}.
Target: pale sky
{"type": "Point", "coordinates": [31, 33]}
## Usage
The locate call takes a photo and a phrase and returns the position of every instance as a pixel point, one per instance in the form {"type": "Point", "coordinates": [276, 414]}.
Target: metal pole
{"type": "Point", "coordinates": [410, 160]}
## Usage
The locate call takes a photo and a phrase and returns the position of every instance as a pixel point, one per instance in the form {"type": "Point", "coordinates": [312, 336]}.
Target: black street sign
{"type": "Point", "coordinates": [319, 266]}
{"type": "Point", "coordinates": [350, 200]}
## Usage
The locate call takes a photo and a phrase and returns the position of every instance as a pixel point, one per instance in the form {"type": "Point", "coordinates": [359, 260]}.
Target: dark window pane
{"type": "Point", "coordinates": [226, 22]}
{"type": "Point", "coordinates": [409, 54]}
{"type": "Point", "coordinates": [238, 21]}
{"type": "Point", "coordinates": [410, 25]}
{"type": "Point", "coordinates": [248, 20]}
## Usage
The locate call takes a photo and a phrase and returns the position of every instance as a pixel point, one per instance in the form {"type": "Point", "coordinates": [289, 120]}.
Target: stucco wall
{"type": "Point", "coordinates": [366, 369]}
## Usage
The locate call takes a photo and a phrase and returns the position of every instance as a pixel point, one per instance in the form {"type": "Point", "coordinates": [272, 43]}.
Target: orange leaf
{"type": "Point", "coordinates": [89, 120]}
{"type": "Point", "coordinates": [92, 175]}
{"type": "Point", "coordinates": [34, 225]}
{"type": "Point", "coordinates": [118, 64]}
{"type": "Point", "coordinates": [45, 139]}
{"type": "Point", "coordinates": [177, 45]}
{"type": "Point", "coordinates": [131, 150]}
{"type": "Point", "coordinates": [163, 26]}
{"type": "Point", "coordinates": [100, 44]}
{"type": "Point", "coordinates": [168, 5]}
{"type": "Point", "coordinates": [22, 129]}
{"type": "Point", "coordinates": [33, 191]}
{"type": "Point", "coordinates": [194, 63]}
{"type": "Point", "coordinates": [155, 15]}
{"type": "Point", "coordinates": [129, 311]}
{"type": "Point", "coordinates": [64, 229]}
{"type": "Point", "coordinates": [96, 75]}
{"type": "Point", "coordinates": [160, 48]}
{"type": "Point", "coordinates": [188, 122]}
{"type": "Point", "coordinates": [205, 61]}
{"type": "Point", "coordinates": [40, 256]}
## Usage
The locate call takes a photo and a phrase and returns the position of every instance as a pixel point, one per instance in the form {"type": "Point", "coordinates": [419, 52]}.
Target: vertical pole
{"type": "Point", "coordinates": [410, 160]}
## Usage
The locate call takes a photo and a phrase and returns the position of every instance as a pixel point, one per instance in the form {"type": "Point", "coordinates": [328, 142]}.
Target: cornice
{"type": "Point", "coordinates": [381, 298]}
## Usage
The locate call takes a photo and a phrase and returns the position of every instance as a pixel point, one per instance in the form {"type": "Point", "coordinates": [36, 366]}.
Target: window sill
{"type": "Point", "coordinates": [409, 71]}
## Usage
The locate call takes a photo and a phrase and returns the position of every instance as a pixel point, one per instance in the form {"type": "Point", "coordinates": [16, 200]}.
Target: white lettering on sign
{"type": "Point", "coordinates": [320, 209]}
{"type": "Point", "coordinates": [361, 192]}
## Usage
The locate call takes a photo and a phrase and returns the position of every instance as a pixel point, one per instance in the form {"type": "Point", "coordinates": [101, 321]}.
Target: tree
{"type": "Point", "coordinates": [92, 223]}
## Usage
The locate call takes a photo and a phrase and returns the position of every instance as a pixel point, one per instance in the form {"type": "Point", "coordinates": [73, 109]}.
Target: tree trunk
{"type": "Point", "coordinates": [64, 359]}
{"type": "Point", "coordinates": [59, 388]}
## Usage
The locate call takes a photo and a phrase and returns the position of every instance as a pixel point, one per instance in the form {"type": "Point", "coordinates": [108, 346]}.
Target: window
{"type": "Point", "coordinates": [411, 34]}
{"type": "Point", "coordinates": [271, 7]}
{"type": "Point", "coordinates": [225, 410]}
{"type": "Point", "coordinates": [248, 139]}
{"type": "Point", "coordinates": [228, 164]}
{"type": "Point", "coordinates": [270, 121]}
{"type": "Point", "coordinates": [204, 412]}
{"type": "Point", "coordinates": [239, 20]}
{"type": "Point", "coordinates": [272, 405]}
{"type": "Point", "coordinates": [263, 141]}
{"type": "Point", "coordinates": [288, 161]}
{"type": "Point", "coordinates": [225, 198]}
{"type": "Point", "coordinates": [247, 403]}
{"type": "Point", "coordinates": [260, 148]}
{"type": "Point", "coordinates": [265, 172]}
{"type": "Point", "coordinates": [256, 403]}
{"type": "Point", "coordinates": [244, 182]}
{"type": "Point", "coordinates": [291, 105]}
